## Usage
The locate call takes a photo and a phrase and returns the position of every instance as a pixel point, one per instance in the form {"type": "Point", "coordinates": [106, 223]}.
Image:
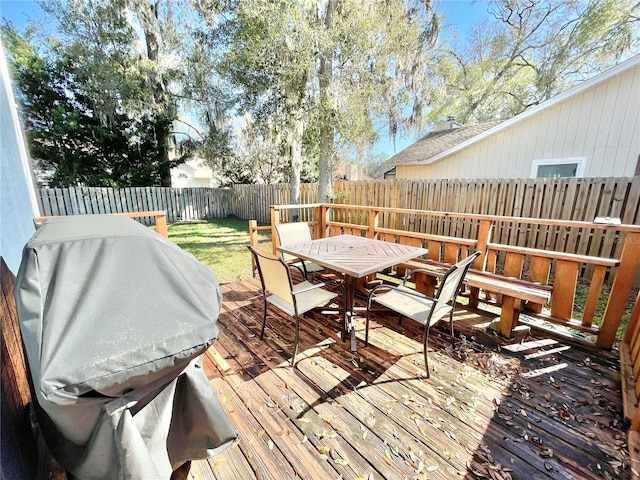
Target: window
{"type": "Point", "coordinates": [182, 176]}
{"type": "Point", "coordinates": [558, 167]}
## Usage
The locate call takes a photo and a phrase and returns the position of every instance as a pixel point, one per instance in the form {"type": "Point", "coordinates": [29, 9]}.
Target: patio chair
{"type": "Point", "coordinates": [419, 307]}
{"type": "Point", "coordinates": [279, 290]}
{"type": "Point", "coordinates": [296, 232]}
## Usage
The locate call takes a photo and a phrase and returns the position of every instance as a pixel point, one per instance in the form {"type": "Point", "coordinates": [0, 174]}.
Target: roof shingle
{"type": "Point", "coordinates": [436, 142]}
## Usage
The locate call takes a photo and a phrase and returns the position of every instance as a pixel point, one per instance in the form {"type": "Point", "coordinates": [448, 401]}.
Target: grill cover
{"type": "Point", "coordinates": [114, 318]}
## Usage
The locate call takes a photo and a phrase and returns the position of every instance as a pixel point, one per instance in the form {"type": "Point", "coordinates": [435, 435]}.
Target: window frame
{"type": "Point", "coordinates": [580, 161]}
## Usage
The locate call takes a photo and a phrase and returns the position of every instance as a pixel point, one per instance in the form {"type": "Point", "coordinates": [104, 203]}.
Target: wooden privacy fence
{"type": "Point", "coordinates": [180, 203]}
{"type": "Point", "coordinates": [580, 199]}
{"type": "Point", "coordinates": [253, 201]}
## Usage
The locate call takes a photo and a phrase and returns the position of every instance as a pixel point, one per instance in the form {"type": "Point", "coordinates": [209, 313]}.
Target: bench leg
{"type": "Point", "coordinates": [425, 283]}
{"type": "Point", "coordinates": [509, 315]}
{"type": "Point", "coordinates": [474, 297]}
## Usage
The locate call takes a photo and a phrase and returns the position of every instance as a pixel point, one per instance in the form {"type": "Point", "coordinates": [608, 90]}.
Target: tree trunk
{"type": "Point", "coordinates": [295, 150]}
{"type": "Point", "coordinates": [164, 164]}
{"type": "Point", "coordinates": [148, 16]}
{"type": "Point", "coordinates": [325, 189]}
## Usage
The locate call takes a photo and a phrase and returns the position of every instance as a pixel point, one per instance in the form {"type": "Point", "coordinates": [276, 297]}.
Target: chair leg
{"type": "Point", "coordinates": [295, 346]}
{"type": "Point", "coordinates": [264, 318]}
{"type": "Point", "coordinates": [366, 326]}
{"type": "Point", "coordinates": [426, 348]}
{"type": "Point", "coordinates": [453, 336]}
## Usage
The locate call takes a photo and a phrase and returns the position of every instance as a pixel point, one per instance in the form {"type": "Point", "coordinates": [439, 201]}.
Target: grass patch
{"type": "Point", "coordinates": [220, 244]}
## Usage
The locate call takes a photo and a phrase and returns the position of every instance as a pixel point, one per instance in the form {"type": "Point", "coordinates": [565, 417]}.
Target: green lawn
{"type": "Point", "coordinates": [220, 244]}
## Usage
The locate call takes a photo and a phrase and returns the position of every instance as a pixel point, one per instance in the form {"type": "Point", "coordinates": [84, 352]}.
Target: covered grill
{"type": "Point", "coordinates": [114, 319]}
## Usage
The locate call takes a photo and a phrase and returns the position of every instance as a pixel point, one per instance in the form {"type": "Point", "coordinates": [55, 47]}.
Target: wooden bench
{"type": "Point", "coordinates": [515, 293]}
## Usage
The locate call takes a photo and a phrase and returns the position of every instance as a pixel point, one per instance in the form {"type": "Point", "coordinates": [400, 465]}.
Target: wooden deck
{"type": "Point", "coordinates": [544, 409]}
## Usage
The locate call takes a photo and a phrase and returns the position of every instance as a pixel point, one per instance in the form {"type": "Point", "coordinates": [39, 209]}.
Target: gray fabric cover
{"type": "Point", "coordinates": [114, 318]}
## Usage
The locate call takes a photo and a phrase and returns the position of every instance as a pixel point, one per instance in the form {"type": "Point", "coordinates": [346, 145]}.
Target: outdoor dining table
{"type": "Point", "coordinates": [355, 257]}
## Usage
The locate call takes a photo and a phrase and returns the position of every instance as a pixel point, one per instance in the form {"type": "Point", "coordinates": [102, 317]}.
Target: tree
{"type": "Point", "coordinates": [529, 51]}
{"type": "Point", "coordinates": [68, 142]}
{"type": "Point", "coordinates": [322, 75]}
{"type": "Point", "coordinates": [130, 52]}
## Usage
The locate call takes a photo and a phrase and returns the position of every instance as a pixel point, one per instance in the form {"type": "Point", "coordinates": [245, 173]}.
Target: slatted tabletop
{"type": "Point", "coordinates": [352, 255]}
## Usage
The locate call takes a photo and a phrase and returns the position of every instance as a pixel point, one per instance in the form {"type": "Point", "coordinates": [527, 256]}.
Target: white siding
{"type": "Point", "coordinates": [18, 203]}
{"type": "Point", "coordinates": [601, 123]}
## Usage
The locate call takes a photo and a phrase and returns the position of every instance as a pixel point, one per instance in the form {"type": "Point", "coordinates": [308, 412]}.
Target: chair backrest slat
{"type": "Point", "coordinates": [274, 274]}
{"type": "Point", "coordinates": [450, 286]}
{"type": "Point", "coordinates": [294, 232]}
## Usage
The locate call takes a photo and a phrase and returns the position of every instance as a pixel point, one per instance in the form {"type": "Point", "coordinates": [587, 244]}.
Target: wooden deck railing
{"type": "Point", "coordinates": [560, 270]}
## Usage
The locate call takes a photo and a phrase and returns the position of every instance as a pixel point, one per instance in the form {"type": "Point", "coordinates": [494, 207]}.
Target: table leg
{"type": "Point", "coordinates": [348, 328]}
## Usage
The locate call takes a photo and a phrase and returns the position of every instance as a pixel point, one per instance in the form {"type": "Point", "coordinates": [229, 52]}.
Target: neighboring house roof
{"type": "Point", "coordinates": [432, 154]}
{"type": "Point", "coordinates": [435, 143]}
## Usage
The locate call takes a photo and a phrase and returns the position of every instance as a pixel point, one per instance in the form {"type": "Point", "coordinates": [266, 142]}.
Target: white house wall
{"type": "Point", "coordinates": [18, 203]}
{"type": "Point", "coordinates": [602, 124]}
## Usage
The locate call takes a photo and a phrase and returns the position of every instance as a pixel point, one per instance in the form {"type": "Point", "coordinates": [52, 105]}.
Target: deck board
{"type": "Point", "coordinates": [548, 408]}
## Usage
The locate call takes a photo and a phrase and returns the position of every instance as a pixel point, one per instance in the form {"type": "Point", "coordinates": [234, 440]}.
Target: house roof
{"type": "Point", "coordinates": [435, 143]}
{"type": "Point", "coordinates": [426, 151]}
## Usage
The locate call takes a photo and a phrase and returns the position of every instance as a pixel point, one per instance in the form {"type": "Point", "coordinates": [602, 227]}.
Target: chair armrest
{"type": "Point", "coordinates": [404, 290]}
{"type": "Point", "coordinates": [312, 287]}
{"type": "Point", "coordinates": [428, 271]}
{"type": "Point", "coordinates": [297, 268]}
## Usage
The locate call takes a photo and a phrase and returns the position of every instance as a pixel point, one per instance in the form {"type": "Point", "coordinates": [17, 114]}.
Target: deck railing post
{"type": "Point", "coordinates": [275, 220]}
{"type": "Point", "coordinates": [253, 241]}
{"type": "Point", "coordinates": [324, 217]}
{"type": "Point", "coordinates": [317, 226]}
{"type": "Point", "coordinates": [484, 238]}
{"type": "Point", "coordinates": [620, 290]}
{"type": "Point", "coordinates": [373, 223]}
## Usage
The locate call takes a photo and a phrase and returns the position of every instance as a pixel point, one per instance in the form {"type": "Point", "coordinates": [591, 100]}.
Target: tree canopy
{"type": "Point", "coordinates": [527, 51]}
{"type": "Point", "coordinates": [69, 143]}
{"type": "Point", "coordinates": [281, 91]}
{"type": "Point", "coordinates": [316, 76]}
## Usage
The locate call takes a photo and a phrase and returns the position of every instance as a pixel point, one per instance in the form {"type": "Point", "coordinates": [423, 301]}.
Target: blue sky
{"type": "Point", "coordinates": [460, 14]}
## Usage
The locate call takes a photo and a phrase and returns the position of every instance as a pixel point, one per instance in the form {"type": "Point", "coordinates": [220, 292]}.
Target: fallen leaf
{"type": "Point", "coordinates": [547, 453]}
